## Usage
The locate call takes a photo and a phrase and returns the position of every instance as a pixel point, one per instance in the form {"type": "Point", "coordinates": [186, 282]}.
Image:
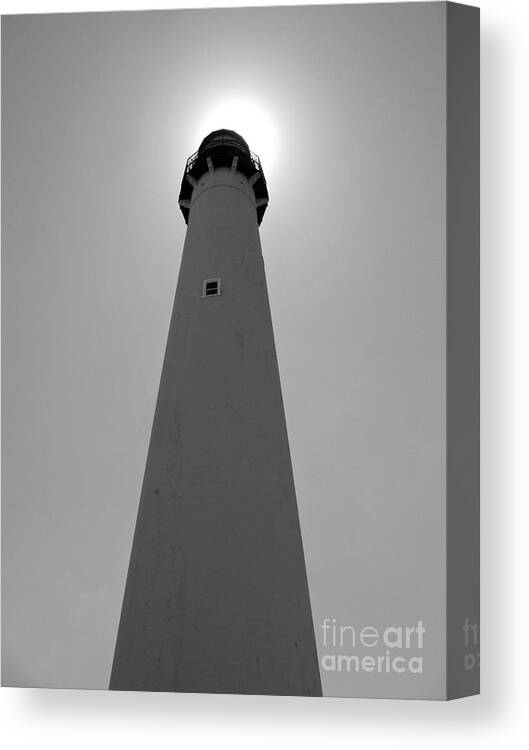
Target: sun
{"type": "Point", "coordinates": [248, 117]}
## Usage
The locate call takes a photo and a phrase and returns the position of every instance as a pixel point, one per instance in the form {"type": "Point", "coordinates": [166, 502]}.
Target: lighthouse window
{"type": "Point", "coordinates": [211, 287]}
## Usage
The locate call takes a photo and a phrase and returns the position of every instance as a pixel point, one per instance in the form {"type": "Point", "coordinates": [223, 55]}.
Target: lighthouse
{"type": "Point", "coordinates": [216, 597]}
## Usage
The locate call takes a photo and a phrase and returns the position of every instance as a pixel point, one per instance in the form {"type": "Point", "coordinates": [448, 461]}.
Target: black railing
{"type": "Point", "coordinates": [202, 154]}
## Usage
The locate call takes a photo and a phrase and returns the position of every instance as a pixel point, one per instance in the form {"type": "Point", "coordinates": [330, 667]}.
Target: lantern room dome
{"type": "Point", "coordinates": [223, 139]}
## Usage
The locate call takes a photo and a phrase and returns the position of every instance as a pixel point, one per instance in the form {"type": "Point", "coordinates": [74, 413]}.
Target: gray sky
{"type": "Point", "coordinates": [100, 112]}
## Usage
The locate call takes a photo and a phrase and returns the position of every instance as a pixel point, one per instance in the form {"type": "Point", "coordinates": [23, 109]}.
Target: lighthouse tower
{"type": "Point", "coordinates": [216, 598]}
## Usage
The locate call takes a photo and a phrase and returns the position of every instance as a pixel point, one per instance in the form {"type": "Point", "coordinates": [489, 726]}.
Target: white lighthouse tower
{"type": "Point", "coordinates": [216, 598]}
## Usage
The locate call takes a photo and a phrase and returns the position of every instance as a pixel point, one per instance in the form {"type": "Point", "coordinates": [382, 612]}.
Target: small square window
{"type": "Point", "coordinates": [211, 287]}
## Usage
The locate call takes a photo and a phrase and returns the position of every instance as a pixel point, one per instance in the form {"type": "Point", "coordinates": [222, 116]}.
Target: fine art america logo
{"type": "Point", "coordinates": [471, 639]}
{"type": "Point", "coordinates": [397, 648]}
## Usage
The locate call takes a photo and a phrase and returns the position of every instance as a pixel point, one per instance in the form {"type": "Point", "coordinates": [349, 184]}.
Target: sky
{"type": "Point", "coordinates": [100, 112]}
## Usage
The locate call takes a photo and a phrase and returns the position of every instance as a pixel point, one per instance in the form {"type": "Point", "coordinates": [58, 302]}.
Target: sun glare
{"type": "Point", "coordinates": [251, 120]}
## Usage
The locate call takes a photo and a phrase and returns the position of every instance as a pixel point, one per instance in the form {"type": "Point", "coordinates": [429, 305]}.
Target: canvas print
{"type": "Point", "coordinates": [240, 263]}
